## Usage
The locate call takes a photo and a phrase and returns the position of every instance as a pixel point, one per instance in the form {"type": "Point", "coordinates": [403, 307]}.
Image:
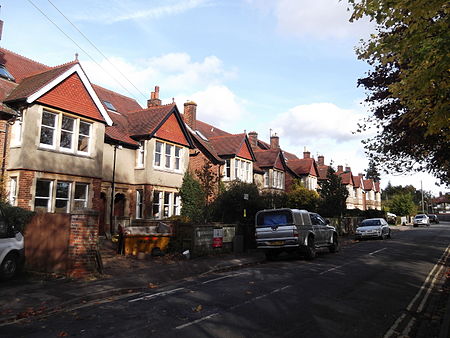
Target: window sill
{"type": "Point", "coordinates": [139, 168]}
{"type": "Point", "coordinates": [53, 150]}
{"type": "Point", "coordinates": [171, 171]}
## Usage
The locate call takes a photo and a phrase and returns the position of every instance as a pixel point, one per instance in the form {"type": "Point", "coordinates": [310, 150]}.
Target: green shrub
{"type": "Point", "coordinates": [18, 217]}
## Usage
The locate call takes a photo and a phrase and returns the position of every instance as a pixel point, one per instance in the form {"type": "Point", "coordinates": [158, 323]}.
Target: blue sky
{"type": "Point", "coordinates": [285, 65]}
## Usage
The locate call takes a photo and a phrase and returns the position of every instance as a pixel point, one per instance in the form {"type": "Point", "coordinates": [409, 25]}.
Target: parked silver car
{"type": "Point", "coordinates": [373, 228]}
{"type": "Point", "coordinates": [421, 219]}
{"type": "Point", "coordinates": [293, 230]}
{"type": "Point", "coordinates": [11, 249]}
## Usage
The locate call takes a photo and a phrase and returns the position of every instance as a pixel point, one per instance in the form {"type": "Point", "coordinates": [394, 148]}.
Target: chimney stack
{"type": "Point", "coordinates": [340, 168]}
{"type": "Point", "coordinates": [321, 160]}
{"type": "Point", "coordinates": [306, 154]}
{"type": "Point", "coordinates": [274, 142]}
{"type": "Point", "coordinates": [190, 114]}
{"type": "Point", "coordinates": [348, 169]}
{"type": "Point", "coordinates": [154, 98]}
{"type": "Point", "coordinates": [253, 138]}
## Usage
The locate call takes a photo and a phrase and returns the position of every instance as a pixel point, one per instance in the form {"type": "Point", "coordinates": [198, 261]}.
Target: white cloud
{"type": "Point", "coordinates": [179, 77]}
{"type": "Point", "coordinates": [217, 105]}
{"type": "Point", "coordinates": [318, 19]}
{"type": "Point", "coordinates": [173, 72]}
{"type": "Point", "coordinates": [318, 121]}
{"type": "Point", "coordinates": [140, 10]}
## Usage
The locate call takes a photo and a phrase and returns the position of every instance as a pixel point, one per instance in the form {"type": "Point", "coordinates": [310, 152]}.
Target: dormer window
{"type": "Point", "coordinates": [5, 74]}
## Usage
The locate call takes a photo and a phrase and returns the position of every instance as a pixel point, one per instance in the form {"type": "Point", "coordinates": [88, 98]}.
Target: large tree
{"type": "Point", "coordinates": [408, 87]}
{"type": "Point", "coordinates": [302, 198]}
{"type": "Point", "coordinates": [333, 195]}
{"type": "Point", "coordinates": [372, 171]}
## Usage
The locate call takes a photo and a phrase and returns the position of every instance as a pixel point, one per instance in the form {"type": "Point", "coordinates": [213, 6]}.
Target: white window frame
{"type": "Point", "coordinates": [140, 155]}
{"type": "Point", "coordinates": [48, 198]}
{"type": "Point", "coordinates": [169, 161]}
{"type": "Point", "coordinates": [13, 190]}
{"type": "Point", "coordinates": [266, 178]}
{"type": "Point", "coordinates": [67, 199]}
{"type": "Point", "coordinates": [227, 169]}
{"type": "Point", "coordinates": [54, 129]}
{"type": "Point", "coordinates": [85, 200]}
{"type": "Point", "coordinates": [176, 207]}
{"type": "Point", "coordinates": [70, 132]}
{"type": "Point", "coordinates": [89, 137]}
{"type": "Point", "coordinates": [139, 203]}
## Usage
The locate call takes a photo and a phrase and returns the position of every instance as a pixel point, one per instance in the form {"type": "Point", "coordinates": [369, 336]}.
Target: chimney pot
{"type": "Point", "coordinates": [190, 114]}
{"type": "Point", "coordinates": [306, 154]}
{"type": "Point", "coordinates": [321, 160]}
{"type": "Point", "coordinates": [340, 168]}
{"type": "Point", "coordinates": [253, 138]}
{"type": "Point", "coordinates": [348, 169]}
{"type": "Point", "coordinates": [274, 142]}
{"type": "Point", "coordinates": [154, 98]}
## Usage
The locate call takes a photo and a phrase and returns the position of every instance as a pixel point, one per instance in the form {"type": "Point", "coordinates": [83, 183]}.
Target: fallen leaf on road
{"type": "Point", "coordinates": [63, 334]}
{"type": "Point", "coordinates": [198, 308]}
{"type": "Point", "coordinates": [152, 286]}
{"type": "Point", "coordinates": [248, 292]}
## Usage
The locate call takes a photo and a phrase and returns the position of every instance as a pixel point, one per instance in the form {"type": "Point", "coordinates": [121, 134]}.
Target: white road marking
{"type": "Point", "coordinates": [159, 294]}
{"type": "Point", "coordinates": [232, 308]}
{"type": "Point", "coordinates": [223, 277]}
{"type": "Point", "coordinates": [432, 275]}
{"type": "Point", "coordinates": [373, 253]}
{"type": "Point", "coordinates": [335, 268]}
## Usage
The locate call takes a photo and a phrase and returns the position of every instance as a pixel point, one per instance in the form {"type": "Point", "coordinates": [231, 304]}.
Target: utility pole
{"type": "Point", "coordinates": [421, 188]}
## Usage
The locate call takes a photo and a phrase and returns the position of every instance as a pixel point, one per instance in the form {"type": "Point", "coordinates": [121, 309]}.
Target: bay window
{"type": "Point", "coordinates": [62, 197]}
{"type": "Point", "coordinates": [43, 196]}
{"type": "Point", "coordinates": [59, 196]}
{"type": "Point", "coordinates": [165, 204]}
{"type": "Point", "coordinates": [65, 133]}
{"type": "Point", "coordinates": [81, 195]}
{"type": "Point", "coordinates": [172, 156]}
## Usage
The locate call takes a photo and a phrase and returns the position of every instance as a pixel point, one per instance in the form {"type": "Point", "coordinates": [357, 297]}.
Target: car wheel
{"type": "Point", "coordinates": [334, 247]}
{"type": "Point", "coordinates": [311, 249]}
{"type": "Point", "coordinates": [9, 266]}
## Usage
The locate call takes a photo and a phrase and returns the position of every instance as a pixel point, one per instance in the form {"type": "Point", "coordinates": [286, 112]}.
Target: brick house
{"type": "Point", "coordinates": [307, 170]}
{"type": "Point", "coordinates": [347, 180]}
{"type": "Point", "coordinates": [55, 145]}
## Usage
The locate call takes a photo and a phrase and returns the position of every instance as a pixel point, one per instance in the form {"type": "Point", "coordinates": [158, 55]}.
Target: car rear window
{"type": "Point", "coordinates": [420, 216]}
{"type": "Point", "coordinates": [278, 217]}
{"type": "Point", "coordinates": [370, 222]}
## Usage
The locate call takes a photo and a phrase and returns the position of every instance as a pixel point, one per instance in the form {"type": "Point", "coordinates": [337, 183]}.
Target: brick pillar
{"type": "Point", "coordinates": [83, 241]}
{"type": "Point", "coordinates": [24, 195]}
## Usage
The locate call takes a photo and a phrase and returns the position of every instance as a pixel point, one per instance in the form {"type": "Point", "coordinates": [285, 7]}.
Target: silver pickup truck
{"type": "Point", "coordinates": [293, 230]}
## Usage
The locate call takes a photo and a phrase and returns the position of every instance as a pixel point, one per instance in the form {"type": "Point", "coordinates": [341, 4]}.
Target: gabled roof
{"type": "Point", "coordinates": [266, 146]}
{"type": "Point", "coordinates": [144, 123]}
{"type": "Point", "coordinates": [267, 158]}
{"type": "Point", "coordinates": [304, 166]}
{"type": "Point", "coordinates": [368, 184]}
{"type": "Point", "coordinates": [357, 182]}
{"type": "Point", "coordinates": [34, 87]}
{"type": "Point", "coordinates": [257, 169]}
{"type": "Point", "coordinates": [205, 147]}
{"type": "Point", "coordinates": [123, 104]}
{"type": "Point", "coordinates": [346, 177]}
{"type": "Point", "coordinates": [230, 145]}
{"type": "Point", "coordinates": [323, 171]}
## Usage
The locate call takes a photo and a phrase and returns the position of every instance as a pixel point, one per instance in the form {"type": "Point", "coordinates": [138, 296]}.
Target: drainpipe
{"type": "Point", "coordinates": [111, 217]}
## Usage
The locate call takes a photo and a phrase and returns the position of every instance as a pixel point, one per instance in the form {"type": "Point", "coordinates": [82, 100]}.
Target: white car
{"type": "Point", "coordinates": [373, 228]}
{"type": "Point", "coordinates": [421, 219]}
{"type": "Point", "coordinates": [11, 250]}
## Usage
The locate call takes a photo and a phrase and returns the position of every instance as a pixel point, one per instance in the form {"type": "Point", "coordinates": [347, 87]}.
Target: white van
{"type": "Point", "coordinates": [11, 249]}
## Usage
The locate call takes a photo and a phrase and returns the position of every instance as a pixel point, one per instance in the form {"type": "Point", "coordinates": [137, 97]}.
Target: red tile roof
{"type": "Point", "coordinates": [144, 122]}
{"type": "Point", "coordinates": [209, 131]}
{"type": "Point", "coordinates": [323, 171]}
{"type": "Point", "coordinates": [265, 146]}
{"type": "Point", "coordinates": [6, 87]}
{"type": "Point", "coordinates": [346, 177]}
{"type": "Point", "coordinates": [368, 184]}
{"type": "Point", "coordinates": [257, 169]}
{"type": "Point", "coordinates": [304, 166]}
{"type": "Point", "coordinates": [32, 84]}
{"type": "Point", "coordinates": [267, 158]}
{"type": "Point", "coordinates": [123, 104]}
{"type": "Point", "coordinates": [357, 181]}
{"type": "Point", "coordinates": [229, 145]}
{"type": "Point", "coordinates": [206, 148]}
{"type": "Point", "coordinates": [19, 66]}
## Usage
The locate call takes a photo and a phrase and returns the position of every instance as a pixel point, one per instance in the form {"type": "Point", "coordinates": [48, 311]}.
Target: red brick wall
{"type": "Point", "coordinates": [24, 195]}
{"type": "Point", "coordinates": [83, 241]}
{"type": "Point", "coordinates": [97, 189]}
{"type": "Point", "coordinates": [197, 161]}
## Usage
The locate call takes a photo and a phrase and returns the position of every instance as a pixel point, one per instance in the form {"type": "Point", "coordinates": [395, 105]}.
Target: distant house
{"type": "Point", "coordinates": [441, 204]}
{"type": "Point", "coordinates": [347, 179]}
{"type": "Point", "coordinates": [307, 170]}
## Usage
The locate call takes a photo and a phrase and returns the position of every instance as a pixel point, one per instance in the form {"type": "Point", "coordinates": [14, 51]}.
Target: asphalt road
{"type": "Point", "coordinates": [374, 288]}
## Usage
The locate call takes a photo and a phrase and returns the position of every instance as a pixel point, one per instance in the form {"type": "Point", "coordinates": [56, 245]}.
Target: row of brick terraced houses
{"type": "Point", "coordinates": [69, 144]}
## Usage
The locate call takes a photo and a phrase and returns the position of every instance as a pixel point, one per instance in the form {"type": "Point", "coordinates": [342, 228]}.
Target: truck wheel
{"type": "Point", "coordinates": [310, 249]}
{"type": "Point", "coordinates": [334, 247]}
{"type": "Point", "coordinates": [9, 266]}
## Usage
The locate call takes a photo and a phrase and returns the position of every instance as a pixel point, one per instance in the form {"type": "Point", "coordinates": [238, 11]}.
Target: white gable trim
{"type": "Point", "coordinates": [75, 69]}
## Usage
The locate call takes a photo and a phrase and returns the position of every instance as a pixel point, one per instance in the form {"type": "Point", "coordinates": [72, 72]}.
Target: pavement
{"type": "Point", "coordinates": [34, 295]}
